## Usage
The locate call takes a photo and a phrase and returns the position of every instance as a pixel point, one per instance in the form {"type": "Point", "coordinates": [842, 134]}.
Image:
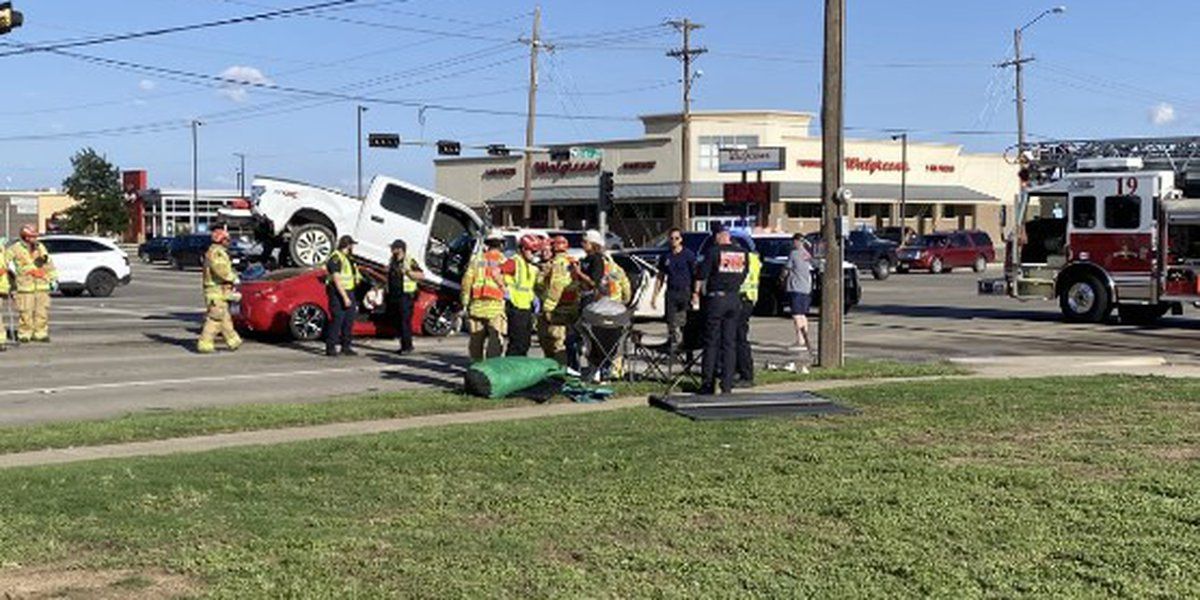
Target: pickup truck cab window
{"type": "Point", "coordinates": [451, 242]}
{"type": "Point", "coordinates": [407, 203]}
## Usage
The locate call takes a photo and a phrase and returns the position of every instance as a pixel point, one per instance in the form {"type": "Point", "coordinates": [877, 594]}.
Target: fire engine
{"type": "Point", "coordinates": [1106, 224]}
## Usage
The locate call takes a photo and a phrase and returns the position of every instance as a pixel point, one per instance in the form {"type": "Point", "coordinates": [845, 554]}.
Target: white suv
{"type": "Point", "coordinates": [87, 263]}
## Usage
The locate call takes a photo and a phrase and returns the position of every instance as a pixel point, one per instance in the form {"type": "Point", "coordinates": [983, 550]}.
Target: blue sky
{"type": "Point", "coordinates": [1103, 69]}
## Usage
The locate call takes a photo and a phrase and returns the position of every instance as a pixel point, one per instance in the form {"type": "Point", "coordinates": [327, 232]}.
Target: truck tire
{"type": "Point", "coordinates": [311, 245]}
{"type": "Point", "coordinates": [881, 269]}
{"type": "Point", "coordinates": [307, 322]}
{"type": "Point", "coordinates": [101, 283]}
{"type": "Point", "coordinates": [1141, 314]}
{"type": "Point", "coordinates": [1084, 299]}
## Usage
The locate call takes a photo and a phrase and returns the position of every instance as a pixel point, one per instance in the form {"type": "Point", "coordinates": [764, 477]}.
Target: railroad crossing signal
{"type": "Point", "coordinates": [9, 19]}
{"type": "Point", "coordinates": [383, 140]}
{"type": "Point", "coordinates": [449, 148]}
{"type": "Point", "coordinates": [606, 191]}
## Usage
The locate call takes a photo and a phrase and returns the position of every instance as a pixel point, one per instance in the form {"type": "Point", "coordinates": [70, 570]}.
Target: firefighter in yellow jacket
{"type": "Point", "coordinates": [5, 293]}
{"type": "Point", "coordinates": [560, 302]}
{"type": "Point", "coordinates": [35, 278]}
{"type": "Point", "coordinates": [219, 282]}
{"type": "Point", "coordinates": [483, 294]}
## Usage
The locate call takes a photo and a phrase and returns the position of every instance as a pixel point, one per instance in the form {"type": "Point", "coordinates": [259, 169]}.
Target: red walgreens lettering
{"type": "Point", "coordinates": [563, 168]}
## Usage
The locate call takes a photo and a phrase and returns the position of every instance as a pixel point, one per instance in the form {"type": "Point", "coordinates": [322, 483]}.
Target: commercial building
{"type": "Point", "coordinates": [38, 207]}
{"type": "Point", "coordinates": [946, 187]}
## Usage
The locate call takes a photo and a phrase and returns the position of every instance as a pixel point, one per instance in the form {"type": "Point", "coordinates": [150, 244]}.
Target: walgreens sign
{"type": "Point", "coordinates": [872, 166]}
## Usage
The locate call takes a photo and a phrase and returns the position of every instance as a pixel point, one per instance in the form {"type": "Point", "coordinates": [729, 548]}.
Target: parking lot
{"type": "Point", "coordinates": [134, 351]}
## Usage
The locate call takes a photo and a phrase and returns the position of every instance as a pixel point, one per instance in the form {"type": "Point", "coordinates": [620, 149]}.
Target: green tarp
{"type": "Point", "coordinates": [500, 377]}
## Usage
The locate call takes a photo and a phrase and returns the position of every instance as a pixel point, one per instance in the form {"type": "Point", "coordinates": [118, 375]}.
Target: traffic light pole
{"type": "Point", "coordinates": [832, 297]}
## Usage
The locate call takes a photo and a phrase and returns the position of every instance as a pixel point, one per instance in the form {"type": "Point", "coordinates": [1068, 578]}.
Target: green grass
{"type": "Point", "coordinates": [1055, 488]}
{"type": "Point", "coordinates": [163, 425]}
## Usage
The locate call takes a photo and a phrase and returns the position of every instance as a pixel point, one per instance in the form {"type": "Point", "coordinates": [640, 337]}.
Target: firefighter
{"type": "Point", "coordinates": [749, 294]}
{"type": "Point", "coordinates": [36, 277]}
{"type": "Point", "coordinates": [5, 293]}
{"type": "Point", "coordinates": [219, 282]}
{"type": "Point", "coordinates": [341, 285]}
{"type": "Point", "coordinates": [560, 302]}
{"type": "Point", "coordinates": [718, 284]}
{"type": "Point", "coordinates": [483, 293]}
{"type": "Point", "coordinates": [521, 275]}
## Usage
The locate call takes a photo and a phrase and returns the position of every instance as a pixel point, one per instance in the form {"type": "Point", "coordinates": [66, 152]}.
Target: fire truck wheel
{"type": "Point", "coordinates": [1138, 314]}
{"type": "Point", "coordinates": [1085, 300]}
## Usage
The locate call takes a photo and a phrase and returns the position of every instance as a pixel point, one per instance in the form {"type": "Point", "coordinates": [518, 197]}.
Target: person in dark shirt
{"type": "Point", "coordinates": [591, 269]}
{"type": "Point", "coordinates": [718, 283]}
{"type": "Point", "coordinates": [677, 269]}
{"type": "Point", "coordinates": [402, 277]}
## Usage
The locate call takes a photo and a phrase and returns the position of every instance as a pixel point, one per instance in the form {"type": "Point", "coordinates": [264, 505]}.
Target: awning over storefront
{"type": "Point", "coordinates": [789, 190]}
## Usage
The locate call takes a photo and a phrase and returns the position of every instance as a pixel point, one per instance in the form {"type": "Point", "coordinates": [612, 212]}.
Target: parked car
{"type": "Point", "coordinates": [292, 303]}
{"type": "Point", "coordinates": [155, 249]}
{"type": "Point", "coordinates": [659, 246]}
{"type": "Point", "coordinates": [865, 251]}
{"type": "Point", "coordinates": [84, 263]}
{"type": "Point", "coordinates": [188, 251]}
{"type": "Point", "coordinates": [943, 251]}
{"type": "Point", "coordinates": [897, 234]}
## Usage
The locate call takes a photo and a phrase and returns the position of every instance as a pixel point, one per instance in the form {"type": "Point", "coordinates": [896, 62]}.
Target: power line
{"type": "Point", "coordinates": [389, 26]}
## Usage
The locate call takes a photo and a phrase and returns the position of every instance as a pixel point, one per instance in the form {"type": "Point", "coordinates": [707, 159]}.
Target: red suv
{"type": "Point", "coordinates": [942, 251]}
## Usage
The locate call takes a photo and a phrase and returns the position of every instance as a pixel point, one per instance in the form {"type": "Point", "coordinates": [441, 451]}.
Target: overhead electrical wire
{"type": "Point", "coordinates": [389, 26]}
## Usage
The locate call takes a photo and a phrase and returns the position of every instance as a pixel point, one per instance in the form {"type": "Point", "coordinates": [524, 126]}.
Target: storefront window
{"type": "Point", "coordinates": [804, 210]}
{"type": "Point", "coordinates": [710, 146]}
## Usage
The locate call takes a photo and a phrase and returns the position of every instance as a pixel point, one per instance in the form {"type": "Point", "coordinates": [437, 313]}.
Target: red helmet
{"type": "Point", "coordinates": [559, 243]}
{"type": "Point", "coordinates": [531, 242]}
{"type": "Point", "coordinates": [220, 236]}
{"type": "Point", "coordinates": [29, 232]}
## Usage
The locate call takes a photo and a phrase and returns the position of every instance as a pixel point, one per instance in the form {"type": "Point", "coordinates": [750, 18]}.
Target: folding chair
{"type": "Point", "coordinates": [661, 361]}
{"type": "Point", "coordinates": [603, 328]}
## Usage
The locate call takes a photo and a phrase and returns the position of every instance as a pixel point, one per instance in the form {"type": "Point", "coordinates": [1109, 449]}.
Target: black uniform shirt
{"type": "Point", "coordinates": [397, 273]}
{"type": "Point", "coordinates": [725, 268]}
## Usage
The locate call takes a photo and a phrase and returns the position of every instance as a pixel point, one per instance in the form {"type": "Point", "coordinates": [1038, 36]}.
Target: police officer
{"type": "Point", "coordinates": [718, 284]}
{"type": "Point", "coordinates": [483, 292]}
{"type": "Point", "coordinates": [219, 281]}
{"type": "Point", "coordinates": [749, 294]}
{"type": "Point", "coordinates": [341, 282]}
{"type": "Point", "coordinates": [521, 275]}
{"type": "Point", "coordinates": [402, 277]}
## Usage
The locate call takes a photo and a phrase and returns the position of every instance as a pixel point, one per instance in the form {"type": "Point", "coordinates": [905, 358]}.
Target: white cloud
{"type": "Point", "coordinates": [147, 84]}
{"type": "Point", "coordinates": [248, 75]}
{"type": "Point", "coordinates": [1162, 114]}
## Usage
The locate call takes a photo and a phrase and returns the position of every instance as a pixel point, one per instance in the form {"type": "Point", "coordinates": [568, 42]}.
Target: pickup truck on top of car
{"type": "Point", "coordinates": [305, 221]}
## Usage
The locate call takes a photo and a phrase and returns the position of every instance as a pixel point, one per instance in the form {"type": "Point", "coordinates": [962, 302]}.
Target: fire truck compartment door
{"type": "Point", "coordinates": [1112, 225]}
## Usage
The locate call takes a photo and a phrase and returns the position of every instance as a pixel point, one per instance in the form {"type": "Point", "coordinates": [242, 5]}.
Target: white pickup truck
{"type": "Point", "coordinates": [305, 221]}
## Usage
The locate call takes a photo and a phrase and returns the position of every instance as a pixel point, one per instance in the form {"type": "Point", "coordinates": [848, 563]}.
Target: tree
{"type": "Point", "coordinates": [96, 187]}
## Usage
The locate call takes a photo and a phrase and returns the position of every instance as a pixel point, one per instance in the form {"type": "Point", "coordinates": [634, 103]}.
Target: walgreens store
{"type": "Point", "coordinates": [946, 188]}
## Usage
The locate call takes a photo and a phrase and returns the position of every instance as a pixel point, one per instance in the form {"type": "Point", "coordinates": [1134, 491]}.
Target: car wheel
{"type": "Point", "coordinates": [72, 292]}
{"type": "Point", "coordinates": [901, 268]}
{"type": "Point", "coordinates": [881, 269]}
{"type": "Point", "coordinates": [980, 264]}
{"type": "Point", "coordinates": [311, 245]}
{"type": "Point", "coordinates": [1084, 300]}
{"type": "Point", "coordinates": [936, 267]}
{"type": "Point", "coordinates": [441, 321]}
{"type": "Point", "coordinates": [142, 256]}
{"type": "Point", "coordinates": [307, 322]}
{"type": "Point", "coordinates": [100, 284]}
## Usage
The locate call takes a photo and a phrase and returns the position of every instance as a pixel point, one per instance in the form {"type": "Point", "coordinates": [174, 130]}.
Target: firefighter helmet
{"type": "Point", "coordinates": [220, 236]}
{"type": "Point", "coordinates": [29, 232]}
{"type": "Point", "coordinates": [559, 244]}
{"type": "Point", "coordinates": [531, 242]}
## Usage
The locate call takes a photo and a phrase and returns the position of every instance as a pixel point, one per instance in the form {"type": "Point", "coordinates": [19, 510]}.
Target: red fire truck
{"type": "Point", "coordinates": [1104, 225]}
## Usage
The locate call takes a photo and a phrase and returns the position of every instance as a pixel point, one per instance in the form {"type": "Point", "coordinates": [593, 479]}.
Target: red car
{"type": "Point", "coordinates": [942, 251]}
{"type": "Point", "coordinates": [292, 303]}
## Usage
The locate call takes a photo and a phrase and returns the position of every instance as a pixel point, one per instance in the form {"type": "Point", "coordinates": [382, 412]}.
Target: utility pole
{"type": "Point", "coordinates": [686, 55]}
{"type": "Point", "coordinates": [832, 194]}
{"type": "Point", "coordinates": [1018, 63]}
{"type": "Point", "coordinates": [535, 45]}
{"type": "Point", "coordinates": [241, 175]}
{"type": "Point", "coordinates": [903, 137]}
{"type": "Point", "coordinates": [359, 112]}
{"type": "Point", "coordinates": [195, 176]}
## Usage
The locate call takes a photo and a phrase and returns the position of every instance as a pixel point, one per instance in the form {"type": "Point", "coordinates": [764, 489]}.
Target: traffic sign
{"type": "Point", "coordinates": [586, 153]}
{"type": "Point", "coordinates": [733, 160]}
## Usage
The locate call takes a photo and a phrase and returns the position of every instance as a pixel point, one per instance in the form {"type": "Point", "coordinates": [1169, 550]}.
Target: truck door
{"type": "Point", "coordinates": [1112, 225]}
{"type": "Point", "coordinates": [391, 212]}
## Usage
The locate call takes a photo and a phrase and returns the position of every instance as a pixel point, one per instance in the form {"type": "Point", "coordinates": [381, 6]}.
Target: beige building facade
{"type": "Point", "coordinates": [945, 189]}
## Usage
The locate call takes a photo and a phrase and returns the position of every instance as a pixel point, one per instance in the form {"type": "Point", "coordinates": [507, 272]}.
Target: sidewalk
{"type": "Point", "coordinates": [989, 368]}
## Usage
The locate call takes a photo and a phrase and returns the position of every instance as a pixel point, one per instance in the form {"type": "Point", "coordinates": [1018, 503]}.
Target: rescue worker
{"type": "Point", "coordinates": [611, 284]}
{"type": "Point", "coordinates": [718, 284]}
{"type": "Point", "coordinates": [5, 293]}
{"type": "Point", "coordinates": [35, 278]}
{"type": "Point", "coordinates": [521, 275]}
{"type": "Point", "coordinates": [749, 295]}
{"type": "Point", "coordinates": [560, 302]}
{"type": "Point", "coordinates": [219, 281]}
{"type": "Point", "coordinates": [403, 275]}
{"type": "Point", "coordinates": [483, 293]}
{"type": "Point", "coordinates": [341, 282]}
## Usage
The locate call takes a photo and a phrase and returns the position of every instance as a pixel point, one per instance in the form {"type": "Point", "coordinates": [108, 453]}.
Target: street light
{"type": "Point", "coordinates": [903, 137]}
{"type": "Point", "coordinates": [241, 178]}
{"type": "Point", "coordinates": [1018, 63]}
{"type": "Point", "coordinates": [195, 177]}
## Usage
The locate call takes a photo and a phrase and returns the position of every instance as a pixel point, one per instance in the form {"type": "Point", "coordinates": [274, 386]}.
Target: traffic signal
{"type": "Point", "coordinates": [560, 154]}
{"type": "Point", "coordinates": [9, 19]}
{"type": "Point", "coordinates": [449, 148]}
{"type": "Point", "coordinates": [497, 150]}
{"type": "Point", "coordinates": [606, 191]}
{"type": "Point", "coordinates": [383, 140]}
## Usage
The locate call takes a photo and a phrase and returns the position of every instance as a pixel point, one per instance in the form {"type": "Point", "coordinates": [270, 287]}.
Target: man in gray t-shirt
{"type": "Point", "coordinates": [798, 276]}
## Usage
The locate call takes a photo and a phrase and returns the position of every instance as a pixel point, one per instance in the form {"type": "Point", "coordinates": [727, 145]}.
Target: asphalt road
{"type": "Point", "coordinates": [134, 351]}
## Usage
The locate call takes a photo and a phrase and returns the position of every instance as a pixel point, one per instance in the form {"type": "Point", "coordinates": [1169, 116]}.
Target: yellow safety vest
{"type": "Point", "coordinates": [521, 282]}
{"type": "Point", "coordinates": [4, 279]}
{"type": "Point", "coordinates": [750, 284]}
{"type": "Point", "coordinates": [348, 277]}
{"type": "Point", "coordinates": [35, 269]}
{"type": "Point", "coordinates": [218, 273]}
{"type": "Point", "coordinates": [410, 284]}
{"type": "Point", "coordinates": [614, 284]}
{"type": "Point", "coordinates": [483, 285]}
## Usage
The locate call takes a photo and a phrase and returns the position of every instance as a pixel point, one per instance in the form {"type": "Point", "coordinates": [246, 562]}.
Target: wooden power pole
{"type": "Point", "coordinates": [535, 45]}
{"type": "Point", "coordinates": [686, 55]}
{"type": "Point", "coordinates": [832, 195]}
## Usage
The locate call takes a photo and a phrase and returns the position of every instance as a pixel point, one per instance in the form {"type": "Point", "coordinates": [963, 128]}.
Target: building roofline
{"type": "Point", "coordinates": [701, 114]}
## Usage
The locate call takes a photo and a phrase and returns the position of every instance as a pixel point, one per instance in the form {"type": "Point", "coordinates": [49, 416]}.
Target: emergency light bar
{"type": "Point", "coordinates": [1131, 163]}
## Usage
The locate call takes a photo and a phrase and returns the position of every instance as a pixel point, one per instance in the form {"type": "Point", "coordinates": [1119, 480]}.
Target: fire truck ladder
{"type": "Point", "coordinates": [1049, 160]}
